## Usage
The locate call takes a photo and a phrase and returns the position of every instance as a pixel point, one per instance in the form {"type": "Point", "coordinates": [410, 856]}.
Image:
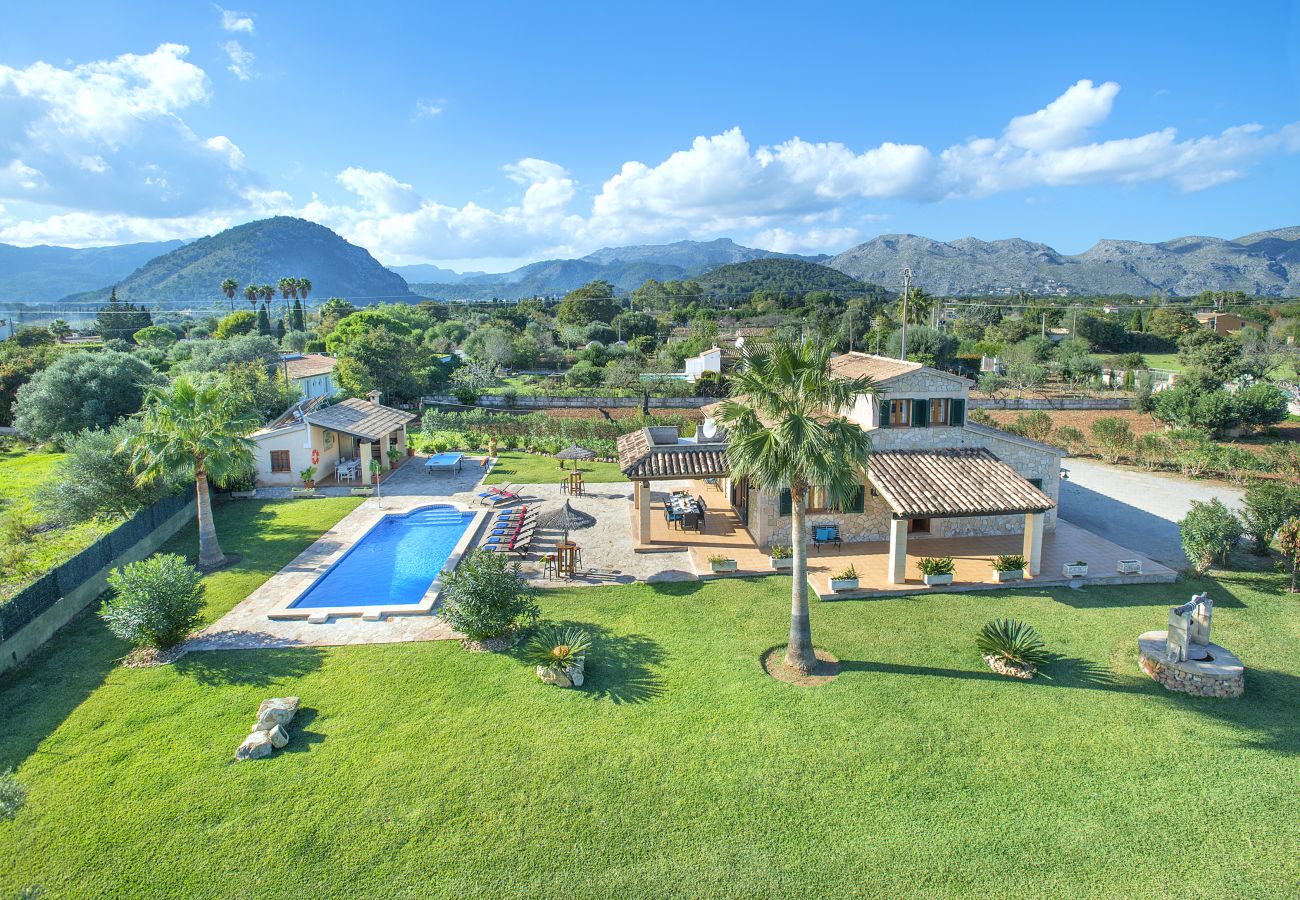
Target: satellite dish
{"type": "Point", "coordinates": [709, 429]}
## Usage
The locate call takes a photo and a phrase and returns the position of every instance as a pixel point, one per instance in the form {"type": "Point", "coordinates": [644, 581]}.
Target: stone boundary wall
{"type": "Point", "coordinates": [27, 640]}
{"type": "Point", "coordinates": [1051, 403]}
{"type": "Point", "coordinates": [532, 403]}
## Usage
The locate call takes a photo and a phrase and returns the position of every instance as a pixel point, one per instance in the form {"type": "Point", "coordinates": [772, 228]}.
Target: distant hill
{"type": "Point", "coordinates": [433, 274]}
{"type": "Point", "coordinates": [1266, 263]}
{"type": "Point", "coordinates": [693, 257]}
{"type": "Point", "coordinates": [45, 273]}
{"type": "Point", "coordinates": [791, 276]}
{"type": "Point", "coordinates": [260, 253]}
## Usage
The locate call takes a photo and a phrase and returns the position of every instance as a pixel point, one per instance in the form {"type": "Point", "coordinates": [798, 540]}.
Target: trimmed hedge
{"type": "Point", "coordinates": [33, 600]}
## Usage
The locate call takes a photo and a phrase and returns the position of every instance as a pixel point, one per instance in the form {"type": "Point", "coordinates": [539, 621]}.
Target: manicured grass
{"type": "Point", "coordinates": [517, 467]}
{"type": "Point", "coordinates": [420, 770]}
{"type": "Point", "coordinates": [1167, 361]}
{"type": "Point", "coordinates": [22, 472]}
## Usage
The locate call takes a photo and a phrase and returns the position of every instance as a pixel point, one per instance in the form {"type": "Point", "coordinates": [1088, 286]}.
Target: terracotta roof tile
{"type": "Point", "coordinates": [308, 365]}
{"type": "Point", "coordinates": [640, 458]}
{"type": "Point", "coordinates": [956, 482]}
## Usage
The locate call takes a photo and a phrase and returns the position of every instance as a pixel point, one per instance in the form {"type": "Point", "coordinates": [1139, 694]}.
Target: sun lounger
{"type": "Point", "coordinates": [498, 497]}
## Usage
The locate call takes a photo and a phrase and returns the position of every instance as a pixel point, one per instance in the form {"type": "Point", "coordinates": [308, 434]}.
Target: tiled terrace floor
{"type": "Point", "coordinates": [973, 556]}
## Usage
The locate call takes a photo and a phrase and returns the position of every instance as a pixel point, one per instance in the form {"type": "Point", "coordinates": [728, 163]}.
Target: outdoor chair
{"type": "Point", "coordinates": [499, 497]}
{"type": "Point", "coordinates": [825, 534]}
{"type": "Point", "coordinates": [690, 521]}
{"type": "Point", "coordinates": [703, 506]}
{"type": "Point", "coordinates": [674, 518]}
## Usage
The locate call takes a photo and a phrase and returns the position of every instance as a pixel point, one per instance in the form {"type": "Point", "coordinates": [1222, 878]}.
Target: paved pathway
{"type": "Point", "coordinates": [1136, 509]}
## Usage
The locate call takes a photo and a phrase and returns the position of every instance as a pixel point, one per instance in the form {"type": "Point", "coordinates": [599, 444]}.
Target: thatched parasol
{"type": "Point", "coordinates": [567, 519]}
{"type": "Point", "coordinates": [575, 453]}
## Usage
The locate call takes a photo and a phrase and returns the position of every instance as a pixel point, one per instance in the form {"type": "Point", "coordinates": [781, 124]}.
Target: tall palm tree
{"type": "Point", "coordinates": [304, 289]}
{"type": "Point", "coordinates": [919, 306]}
{"type": "Point", "coordinates": [267, 293]}
{"type": "Point", "coordinates": [786, 431]}
{"type": "Point", "coordinates": [288, 288]}
{"type": "Point", "coordinates": [251, 294]}
{"type": "Point", "coordinates": [230, 288]}
{"type": "Point", "coordinates": [194, 430]}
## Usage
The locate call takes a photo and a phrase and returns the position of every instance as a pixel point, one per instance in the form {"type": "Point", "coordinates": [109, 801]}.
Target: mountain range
{"type": "Point", "coordinates": [1265, 263]}
{"type": "Point", "coordinates": [1261, 264]}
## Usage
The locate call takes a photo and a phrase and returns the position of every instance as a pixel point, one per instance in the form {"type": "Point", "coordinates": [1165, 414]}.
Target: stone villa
{"type": "Point", "coordinates": [933, 473]}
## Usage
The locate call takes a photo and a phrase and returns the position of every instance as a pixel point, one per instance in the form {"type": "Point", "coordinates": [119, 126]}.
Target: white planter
{"type": "Point", "coordinates": [727, 566]}
{"type": "Point", "coordinates": [785, 564]}
{"type": "Point", "coordinates": [1129, 567]}
{"type": "Point", "coordinates": [844, 584]}
{"type": "Point", "coordinates": [938, 579]}
{"type": "Point", "coordinates": [243, 495]}
{"type": "Point", "coordinates": [1069, 571]}
{"type": "Point", "coordinates": [302, 492]}
{"type": "Point", "coordinates": [1008, 576]}
{"type": "Point", "coordinates": [361, 491]}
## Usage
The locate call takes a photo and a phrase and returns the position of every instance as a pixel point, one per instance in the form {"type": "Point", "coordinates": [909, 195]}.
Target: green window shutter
{"type": "Point", "coordinates": [885, 408]}
{"type": "Point", "coordinates": [920, 413]}
{"type": "Point", "coordinates": [858, 503]}
{"type": "Point", "coordinates": [783, 505]}
{"type": "Point", "coordinates": [957, 415]}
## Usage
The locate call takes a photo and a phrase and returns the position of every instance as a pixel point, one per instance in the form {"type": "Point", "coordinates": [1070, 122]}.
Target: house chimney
{"type": "Point", "coordinates": [374, 397]}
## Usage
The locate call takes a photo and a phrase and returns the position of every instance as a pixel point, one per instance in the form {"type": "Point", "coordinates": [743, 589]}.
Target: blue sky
{"type": "Point", "coordinates": [486, 135]}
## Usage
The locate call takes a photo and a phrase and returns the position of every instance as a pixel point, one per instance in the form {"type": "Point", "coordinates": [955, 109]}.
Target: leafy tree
{"type": "Point", "coordinates": [632, 324]}
{"type": "Point", "coordinates": [1267, 505]}
{"type": "Point", "coordinates": [59, 329]}
{"type": "Point", "coordinates": [156, 337]}
{"type": "Point", "coordinates": [593, 302]}
{"type": "Point", "coordinates": [486, 596]}
{"type": "Point", "coordinates": [1143, 392]}
{"type": "Point", "coordinates": [1288, 539]}
{"type": "Point", "coordinates": [1185, 405]}
{"type": "Point", "coordinates": [82, 390]}
{"type": "Point", "coordinates": [119, 320]}
{"type": "Point", "coordinates": [268, 390]}
{"type": "Point", "coordinates": [584, 374]}
{"type": "Point", "coordinates": [235, 324]}
{"type": "Point", "coordinates": [493, 344]}
{"type": "Point", "coordinates": [32, 336]}
{"type": "Point", "coordinates": [17, 367]}
{"type": "Point", "coordinates": [155, 602]}
{"type": "Point", "coordinates": [925, 345]}
{"type": "Point", "coordinates": [94, 479]}
{"type": "Point", "coordinates": [1171, 322]}
{"type": "Point", "coordinates": [1203, 349]}
{"type": "Point", "coordinates": [216, 356]}
{"type": "Point", "coordinates": [363, 322]}
{"type": "Point", "coordinates": [1260, 404]}
{"type": "Point", "coordinates": [194, 430]}
{"type": "Point", "coordinates": [1210, 531]}
{"type": "Point", "coordinates": [380, 360]}
{"type": "Point", "coordinates": [786, 433]}
{"type": "Point", "coordinates": [332, 311]}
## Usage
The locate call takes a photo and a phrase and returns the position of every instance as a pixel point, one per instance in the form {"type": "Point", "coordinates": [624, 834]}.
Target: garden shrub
{"type": "Point", "coordinates": [1067, 437]}
{"type": "Point", "coordinates": [155, 602]}
{"type": "Point", "coordinates": [1268, 505]}
{"type": "Point", "coordinates": [1210, 532]}
{"type": "Point", "coordinates": [1036, 425]}
{"type": "Point", "coordinates": [979, 416]}
{"type": "Point", "coordinates": [1260, 404]}
{"type": "Point", "coordinates": [1113, 438]}
{"type": "Point", "coordinates": [557, 647]}
{"type": "Point", "coordinates": [12, 795]}
{"type": "Point", "coordinates": [1013, 642]}
{"type": "Point", "coordinates": [486, 595]}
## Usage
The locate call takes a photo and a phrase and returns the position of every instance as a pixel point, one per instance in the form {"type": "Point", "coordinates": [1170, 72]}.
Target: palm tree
{"type": "Point", "coordinates": [60, 329]}
{"type": "Point", "coordinates": [250, 294]}
{"type": "Point", "coordinates": [786, 431]}
{"type": "Point", "coordinates": [266, 292]}
{"type": "Point", "coordinates": [230, 288]}
{"type": "Point", "coordinates": [194, 430]}
{"type": "Point", "coordinates": [919, 305]}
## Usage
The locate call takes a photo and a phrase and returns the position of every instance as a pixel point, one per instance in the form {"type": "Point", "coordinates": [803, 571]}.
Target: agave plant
{"type": "Point", "coordinates": [1013, 642]}
{"type": "Point", "coordinates": [558, 647]}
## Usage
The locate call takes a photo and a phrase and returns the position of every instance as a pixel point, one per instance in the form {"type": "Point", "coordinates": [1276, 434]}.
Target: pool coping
{"type": "Point", "coordinates": [285, 611]}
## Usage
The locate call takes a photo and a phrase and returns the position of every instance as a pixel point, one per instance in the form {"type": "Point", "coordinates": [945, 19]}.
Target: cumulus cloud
{"type": "Point", "coordinates": [236, 21]}
{"type": "Point", "coordinates": [426, 110]}
{"type": "Point", "coordinates": [241, 60]}
{"type": "Point", "coordinates": [108, 136]}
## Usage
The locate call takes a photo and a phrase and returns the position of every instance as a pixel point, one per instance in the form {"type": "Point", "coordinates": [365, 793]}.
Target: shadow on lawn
{"type": "Point", "coordinates": [258, 668]}
{"type": "Point", "coordinates": [1061, 672]}
{"type": "Point", "coordinates": [621, 668]}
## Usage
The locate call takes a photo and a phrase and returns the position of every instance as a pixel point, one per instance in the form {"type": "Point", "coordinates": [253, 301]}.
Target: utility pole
{"type": "Point", "coordinates": [907, 290]}
{"type": "Point", "coordinates": [1044, 323]}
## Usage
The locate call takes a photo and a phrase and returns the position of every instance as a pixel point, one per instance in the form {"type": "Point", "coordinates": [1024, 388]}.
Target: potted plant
{"type": "Point", "coordinates": [782, 557]}
{"type": "Point", "coordinates": [720, 564]}
{"type": "Point", "coordinates": [560, 655]}
{"type": "Point", "coordinates": [308, 477]}
{"type": "Point", "coordinates": [847, 580]}
{"type": "Point", "coordinates": [1078, 570]}
{"type": "Point", "coordinates": [394, 458]}
{"type": "Point", "coordinates": [936, 570]}
{"type": "Point", "coordinates": [1129, 567]}
{"type": "Point", "coordinates": [375, 468]}
{"type": "Point", "coordinates": [1009, 568]}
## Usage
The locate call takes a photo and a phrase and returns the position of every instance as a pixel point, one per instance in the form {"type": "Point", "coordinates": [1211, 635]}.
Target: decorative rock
{"type": "Point", "coordinates": [279, 736]}
{"type": "Point", "coordinates": [577, 672]}
{"type": "Point", "coordinates": [256, 746]}
{"type": "Point", "coordinates": [1002, 667]}
{"type": "Point", "coordinates": [276, 711]}
{"type": "Point", "coordinates": [555, 676]}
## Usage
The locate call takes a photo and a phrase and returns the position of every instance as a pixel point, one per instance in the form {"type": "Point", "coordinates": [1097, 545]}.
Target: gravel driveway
{"type": "Point", "coordinates": [1135, 509]}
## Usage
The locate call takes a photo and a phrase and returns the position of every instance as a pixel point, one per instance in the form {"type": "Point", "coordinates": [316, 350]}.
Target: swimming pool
{"type": "Point", "coordinates": [392, 568]}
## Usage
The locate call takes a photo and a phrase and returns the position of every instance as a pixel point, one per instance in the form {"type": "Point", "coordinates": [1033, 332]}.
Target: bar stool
{"type": "Point", "coordinates": [548, 565]}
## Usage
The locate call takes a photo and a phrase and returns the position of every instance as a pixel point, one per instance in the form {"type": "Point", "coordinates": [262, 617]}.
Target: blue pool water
{"type": "Point", "coordinates": [394, 562]}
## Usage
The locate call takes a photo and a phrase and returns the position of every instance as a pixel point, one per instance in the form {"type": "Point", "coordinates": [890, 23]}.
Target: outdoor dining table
{"type": "Point", "coordinates": [347, 470]}
{"type": "Point", "coordinates": [566, 559]}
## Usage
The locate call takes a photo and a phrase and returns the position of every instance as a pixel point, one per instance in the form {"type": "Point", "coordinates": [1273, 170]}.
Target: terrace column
{"type": "Point", "coordinates": [401, 441]}
{"type": "Point", "coordinates": [1033, 550]}
{"type": "Point", "coordinates": [643, 488]}
{"type": "Point", "coordinates": [365, 462]}
{"type": "Point", "coordinates": [898, 551]}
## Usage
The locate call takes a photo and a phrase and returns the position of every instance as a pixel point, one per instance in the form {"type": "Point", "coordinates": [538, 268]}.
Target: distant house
{"type": "Point", "coordinates": [312, 373]}
{"type": "Point", "coordinates": [715, 359]}
{"type": "Point", "coordinates": [314, 434]}
{"type": "Point", "coordinates": [1222, 324]}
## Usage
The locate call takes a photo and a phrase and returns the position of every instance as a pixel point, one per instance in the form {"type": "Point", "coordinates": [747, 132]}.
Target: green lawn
{"type": "Point", "coordinates": [681, 770]}
{"type": "Point", "coordinates": [26, 555]}
{"type": "Point", "coordinates": [517, 467]}
{"type": "Point", "coordinates": [1167, 361]}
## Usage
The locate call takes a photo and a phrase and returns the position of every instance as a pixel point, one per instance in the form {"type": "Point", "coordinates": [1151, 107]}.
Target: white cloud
{"type": "Point", "coordinates": [236, 21]}
{"type": "Point", "coordinates": [241, 60]}
{"type": "Point", "coordinates": [812, 241]}
{"type": "Point", "coordinates": [1065, 120]}
{"type": "Point", "coordinates": [426, 110]}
